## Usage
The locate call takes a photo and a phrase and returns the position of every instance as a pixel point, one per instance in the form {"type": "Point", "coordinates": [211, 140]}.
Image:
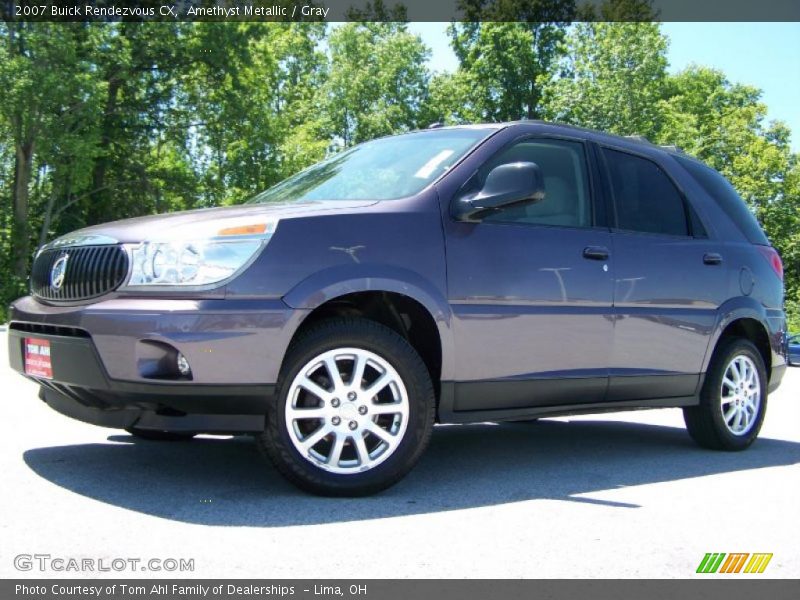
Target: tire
{"type": "Point", "coordinates": [322, 454]}
{"type": "Point", "coordinates": [161, 436]}
{"type": "Point", "coordinates": [707, 423]}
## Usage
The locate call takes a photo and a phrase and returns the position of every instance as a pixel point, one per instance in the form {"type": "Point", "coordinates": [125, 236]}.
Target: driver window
{"type": "Point", "coordinates": [563, 164]}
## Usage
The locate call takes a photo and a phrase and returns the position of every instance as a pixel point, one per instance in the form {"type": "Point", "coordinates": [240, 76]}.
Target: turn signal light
{"type": "Point", "coordinates": [255, 229]}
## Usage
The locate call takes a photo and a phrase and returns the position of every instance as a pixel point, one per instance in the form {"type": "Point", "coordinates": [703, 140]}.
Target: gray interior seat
{"type": "Point", "coordinates": [563, 204]}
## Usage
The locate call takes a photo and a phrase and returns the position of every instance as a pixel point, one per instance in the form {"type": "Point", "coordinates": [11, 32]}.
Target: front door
{"type": "Point", "coordinates": [531, 290]}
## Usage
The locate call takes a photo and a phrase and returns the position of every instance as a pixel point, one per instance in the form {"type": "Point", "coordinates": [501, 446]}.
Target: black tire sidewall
{"type": "Point", "coordinates": [373, 337]}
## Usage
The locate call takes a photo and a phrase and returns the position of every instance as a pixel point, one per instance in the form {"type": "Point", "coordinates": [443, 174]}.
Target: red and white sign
{"type": "Point", "coordinates": [37, 358]}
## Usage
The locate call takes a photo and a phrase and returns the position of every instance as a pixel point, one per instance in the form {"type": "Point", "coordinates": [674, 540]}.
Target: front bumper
{"type": "Point", "coordinates": [102, 367]}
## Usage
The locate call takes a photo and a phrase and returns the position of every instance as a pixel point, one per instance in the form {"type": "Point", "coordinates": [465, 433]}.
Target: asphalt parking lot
{"type": "Point", "coordinates": [617, 495]}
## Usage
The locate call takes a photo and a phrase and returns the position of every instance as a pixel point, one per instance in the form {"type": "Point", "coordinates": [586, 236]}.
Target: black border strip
{"type": "Point", "coordinates": [704, 587]}
{"type": "Point", "coordinates": [392, 10]}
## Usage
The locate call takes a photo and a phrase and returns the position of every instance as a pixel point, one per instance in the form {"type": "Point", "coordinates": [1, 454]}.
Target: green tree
{"type": "Point", "coordinates": [613, 80]}
{"type": "Point", "coordinates": [47, 111]}
{"type": "Point", "coordinates": [618, 11]}
{"type": "Point", "coordinates": [376, 82]}
{"type": "Point", "coordinates": [252, 93]}
{"type": "Point", "coordinates": [507, 55]}
{"type": "Point", "coordinates": [139, 65]}
{"type": "Point", "coordinates": [724, 124]}
{"type": "Point", "coordinates": [303, 70]}
{"type": "Point", "coordinates": [377, 10]}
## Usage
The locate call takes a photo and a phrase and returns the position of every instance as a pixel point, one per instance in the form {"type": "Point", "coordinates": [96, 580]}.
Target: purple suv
{"type": "Point", "coordinates": [453, 275]}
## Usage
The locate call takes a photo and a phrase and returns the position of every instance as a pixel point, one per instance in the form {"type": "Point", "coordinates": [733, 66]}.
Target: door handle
{"type": "Point", "coordinates": [712, 258]}
{"type": "Point", "coordinates": [595, 253]}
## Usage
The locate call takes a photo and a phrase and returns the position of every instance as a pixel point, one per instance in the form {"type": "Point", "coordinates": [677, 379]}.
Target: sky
{"type": "Point", "coordinates": [764, 55]}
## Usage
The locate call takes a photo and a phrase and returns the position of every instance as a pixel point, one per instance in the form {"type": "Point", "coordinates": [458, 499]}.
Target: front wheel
{"type": "Point", "coordinates": [733, 400]}
{"type": "Point", "coordinates": [354, 409]}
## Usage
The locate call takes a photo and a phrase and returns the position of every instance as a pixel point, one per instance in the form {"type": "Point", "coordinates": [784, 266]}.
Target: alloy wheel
{"type": "Point", "coordinates": [740, 395]}
{"type": "Point", "coordinates": [347, 410]}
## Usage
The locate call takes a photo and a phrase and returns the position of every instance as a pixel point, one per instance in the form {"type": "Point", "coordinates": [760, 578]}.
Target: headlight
{"type": "Point", "coordinates": [197, 262]}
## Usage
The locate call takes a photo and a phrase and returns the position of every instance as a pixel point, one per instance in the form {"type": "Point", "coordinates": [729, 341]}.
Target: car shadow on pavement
{"type": "Point", "coordinates": [216, 481]}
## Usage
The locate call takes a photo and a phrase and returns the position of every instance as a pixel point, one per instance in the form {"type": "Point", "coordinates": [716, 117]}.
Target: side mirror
{"type": "Point", "coordinates": [506, 185]}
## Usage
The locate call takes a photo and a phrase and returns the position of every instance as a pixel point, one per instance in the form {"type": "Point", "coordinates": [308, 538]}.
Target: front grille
{"type": "Point", "coordinates": [91, 271]}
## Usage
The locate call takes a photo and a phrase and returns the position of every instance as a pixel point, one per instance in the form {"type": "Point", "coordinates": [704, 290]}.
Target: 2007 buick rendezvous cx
{"type": "Point", "coordinates": [479, 273]}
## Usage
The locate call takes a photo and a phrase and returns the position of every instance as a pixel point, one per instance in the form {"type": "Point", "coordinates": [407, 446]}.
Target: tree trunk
{"type": "Point", "coordinates": [23, 165]}
{"type": "Point", "coordinates": [534, 98]}
{"type": "Point", "coordinates": [48, 217]}
{"type": "Point", "coordinates": [97, 212]}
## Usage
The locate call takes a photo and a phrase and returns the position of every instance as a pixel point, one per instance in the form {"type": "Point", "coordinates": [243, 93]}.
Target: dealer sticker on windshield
{"type": "Point", "coordinates": [37, 358]}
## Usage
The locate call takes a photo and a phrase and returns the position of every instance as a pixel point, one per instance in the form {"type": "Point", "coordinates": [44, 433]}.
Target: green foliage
{"type": "Point", "coordinates": [793, 314]}
{"type": "Point", "coordinates": [724, 124]}
{"type": "Point", "coordinates": [48, 112]}
{"type": "Point", "coordinates": [614, 75]}
{"type": "Point", "coordinates": [106, 121]}
{"type": "Point", "coordinates": [376, 83]}
{"type": "Point", "coordinates": [503, 68]}
{"type": "Point", "coordinates": [619, 11]}
{"type": "Point", "coordinates": [254, 110]}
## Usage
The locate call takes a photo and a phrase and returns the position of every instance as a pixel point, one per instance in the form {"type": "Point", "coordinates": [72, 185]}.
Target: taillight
{"type": "Point", "coordinates": [773, 258]}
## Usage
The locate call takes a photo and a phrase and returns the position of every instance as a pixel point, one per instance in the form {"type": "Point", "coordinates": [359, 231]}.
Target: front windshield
{"type": "Point", "coordinates": [383, 169]}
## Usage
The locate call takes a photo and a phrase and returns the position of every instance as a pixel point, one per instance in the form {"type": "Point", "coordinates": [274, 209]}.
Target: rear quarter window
{"type": "Point", "coordinates": [727, 198]}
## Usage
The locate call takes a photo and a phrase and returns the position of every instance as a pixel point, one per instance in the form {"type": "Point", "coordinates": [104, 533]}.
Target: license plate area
{"type": "Point", "coordinates": [38, 361]}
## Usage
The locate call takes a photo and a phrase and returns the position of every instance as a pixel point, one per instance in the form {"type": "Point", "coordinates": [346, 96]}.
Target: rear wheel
{"type": "Point", "coordinates": [733, 400]}
{"type": "Point", "coordinates": [354, 409]}
{"type": "Point", "coordinates": [161, 436]}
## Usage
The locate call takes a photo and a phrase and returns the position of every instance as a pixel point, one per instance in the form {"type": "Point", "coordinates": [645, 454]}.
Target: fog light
{"type": "Point", "coordinates": [183, 365]}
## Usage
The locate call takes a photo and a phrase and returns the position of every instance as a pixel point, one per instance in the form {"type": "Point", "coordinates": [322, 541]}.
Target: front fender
{"type": "Point", "coordinates": [334, 282]}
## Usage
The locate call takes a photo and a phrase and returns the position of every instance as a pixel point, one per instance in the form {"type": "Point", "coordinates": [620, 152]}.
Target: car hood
{"type": "Point", "coordinates": [182, 224]}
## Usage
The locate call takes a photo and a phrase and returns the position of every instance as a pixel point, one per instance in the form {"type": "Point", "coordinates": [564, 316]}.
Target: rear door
{"type": "Point", "coordinates": [669, 280]}
{"type": "Point", "coordinates": [531, 289]}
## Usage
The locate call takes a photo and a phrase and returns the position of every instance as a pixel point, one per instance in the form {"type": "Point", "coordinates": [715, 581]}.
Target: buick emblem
{"type": "Point", "coordinates": [58, 272]}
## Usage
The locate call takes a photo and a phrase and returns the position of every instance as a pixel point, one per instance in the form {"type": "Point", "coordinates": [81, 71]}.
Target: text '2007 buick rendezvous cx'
{"type": "Point", "coordinates": [453, 275]}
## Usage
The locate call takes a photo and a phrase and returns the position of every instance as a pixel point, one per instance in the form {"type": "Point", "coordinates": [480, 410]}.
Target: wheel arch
{"type": "Point", "coordinates": [748, 321]}
{"type": "Point", "coordinates": [399, 299]}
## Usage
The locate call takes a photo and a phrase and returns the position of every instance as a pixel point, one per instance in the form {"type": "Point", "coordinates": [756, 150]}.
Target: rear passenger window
{"type": "Point", "coordinates": [644, 197]}
{"type": "Point", "coordinates": [567, 202]}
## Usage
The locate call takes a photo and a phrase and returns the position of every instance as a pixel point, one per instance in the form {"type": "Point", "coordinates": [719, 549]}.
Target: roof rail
{"type": "Point", "coordinates": [435, 125]}
{"type": "Point", "coordinates": [673, 148]}
{"type": "Point", "coordinates": [639, 138]}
